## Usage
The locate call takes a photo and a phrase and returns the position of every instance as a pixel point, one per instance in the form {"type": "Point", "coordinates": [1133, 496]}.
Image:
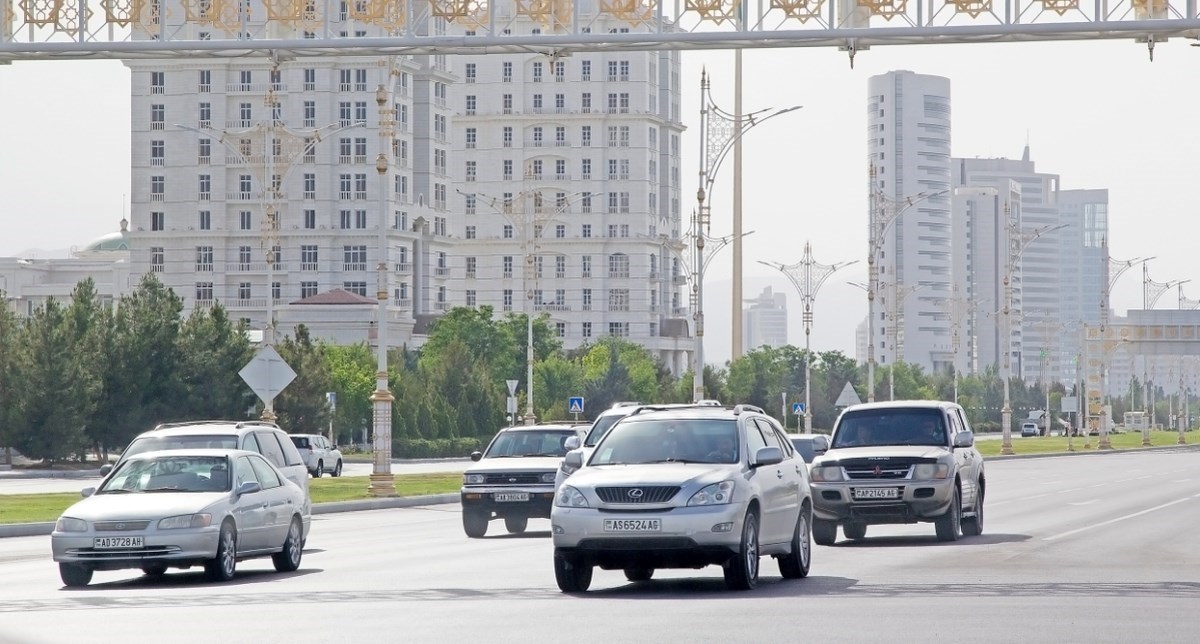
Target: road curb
{"type": "Point", "coordinates": [40, 529]}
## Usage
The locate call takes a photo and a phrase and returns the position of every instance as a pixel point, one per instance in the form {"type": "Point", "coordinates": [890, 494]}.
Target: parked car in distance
{"type": "Point", "coordinates": [685, 487]}
{"type": "Point", "coordinates": [809, 445]}
{"type": "Point", "coordinates": [513, 478]}
{"type": "Point", "coordinates": [320, 456]}
{"type": "Point", "coordinates": [1030, 429]}
{"type": "Point", "coordinates": [182, 508]}
{"type": "Point", "coordinates": [905, 461]}
{"type": "Point", "coordinates": [257, 436]}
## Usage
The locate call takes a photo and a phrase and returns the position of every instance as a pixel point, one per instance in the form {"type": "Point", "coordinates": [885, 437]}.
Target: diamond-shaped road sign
{"type": "Point", "coordinates": [267, 374]}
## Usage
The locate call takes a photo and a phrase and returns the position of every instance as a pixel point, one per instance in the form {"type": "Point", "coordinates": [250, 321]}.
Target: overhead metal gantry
{"type": "Point", "coordinates": [126, 29]}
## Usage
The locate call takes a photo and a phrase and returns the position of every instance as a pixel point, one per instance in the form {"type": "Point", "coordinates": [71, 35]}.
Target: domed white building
{"type": "Point", "coordinates": [26, 284]}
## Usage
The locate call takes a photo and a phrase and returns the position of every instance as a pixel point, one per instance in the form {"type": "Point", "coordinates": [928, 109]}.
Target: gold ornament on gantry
{"type": "Point", "coordinates": [1060, 6]}
{"type": "Point", "coordinates": [550, 13]}
{"type": "Point", "coordinates": [221, 14]}
{"type": "Point", "coordinates": [300, 14]}
{"type": "Point", "coordinates": [886, 9]}
{"type": "Point", "coordinates": [634, 12]}
{"type": "Point", "coordinates": [802, 10]}
{"type": "Point", "coordinates": [471, 12]}
{"type": "Point", "coordinates": [60, 15]}
{"type": "Point", "coordinates": [145, 15]}
{"type": "Point", "coordinates": [387, 14]}
{"type": "Point", "coordinates": [714, 11]}
{"type": "Point", "coordinates": [972, 8]}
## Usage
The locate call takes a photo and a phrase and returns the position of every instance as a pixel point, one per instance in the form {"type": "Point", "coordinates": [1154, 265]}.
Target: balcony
{"type": "Point", "coordinates": [354, 266]}
{"type": "Point", "coordinates": [441, 271]}
{"type": "Point", "coordinates": [248, 303]}
{"type": "Point", "coordinates": [308, 266]}
{"type": "Point", "coordinates": [551, 306]}
{"type": "Point", "coordinates": [245, 267]}
{"type": "Point", "coordinates": [403, 268]}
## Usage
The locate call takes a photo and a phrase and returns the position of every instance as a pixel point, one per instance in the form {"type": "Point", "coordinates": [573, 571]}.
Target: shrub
{"type": "Point", "coordinates": [435, 447]}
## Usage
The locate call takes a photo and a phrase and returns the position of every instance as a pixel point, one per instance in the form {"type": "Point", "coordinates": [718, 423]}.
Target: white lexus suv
{"type": "Point", "coordinates": [684, 488]}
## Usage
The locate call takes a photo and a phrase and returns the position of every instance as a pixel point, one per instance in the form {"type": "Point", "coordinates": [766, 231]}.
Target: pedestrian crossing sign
{"type": "Point", "coordinates": [575, 404]}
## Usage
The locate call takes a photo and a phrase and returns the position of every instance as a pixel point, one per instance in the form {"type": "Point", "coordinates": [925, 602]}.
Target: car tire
{"type": "Point", "coordinates": [741, 571]}
{"type": "Point", "coordinates": [950, 524]}
{"type": "Point", "coordinates": [475, 523]}
{"type": "Point", "coordinates": [224, 564]}
{"type": "Point", "coordinates": [337, 470]}
{"type": "Point", "coordinates": [854, 530]}
{"type": "Point", "coordinates": [288, 558]}
{"type": "Point", "coordinates": [795, 564]}
{"type": "Point", "coordinates": [639, 574]}
{"type": "Point", "coordinates": [571, 576]}
{"type": "Point", "coordinates": [972, 526]}
{"type": "Point", "coordinates": [516, 525]}
{"type": "Point", "coordinates": [154, 571]}
{"type": "Point", "coordinates": [74, 575]}
{"type": "Point", "coordinates": [824, 532]}
{"type": "Point", "coordinates": [319, 470]}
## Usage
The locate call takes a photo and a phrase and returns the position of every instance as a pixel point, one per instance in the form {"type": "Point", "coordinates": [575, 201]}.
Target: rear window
{"type": "Point", "coordinates": [599, 428]}
{"type": "Point", "coordinates": [144, 444]}
{"type": "Point", "coordinates": [300, 441]}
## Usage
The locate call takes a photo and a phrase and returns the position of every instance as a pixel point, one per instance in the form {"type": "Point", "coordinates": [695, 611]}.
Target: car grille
{"type": "Point", "coordinates": [120, 526]}
{"type": "Point", "coordinates": [126, 553]}
{"type": "Point", "coordinates": [877, 472]}
{"type": "Point", "coordinates": [637, 494]}
{"type": "Point", "coordinates": [514, 478]}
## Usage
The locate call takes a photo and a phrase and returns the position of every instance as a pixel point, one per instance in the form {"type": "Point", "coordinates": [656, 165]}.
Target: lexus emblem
{"type": "Point", "coordinates": [635, 493]}
{"type": "Point", "coordinates": [878, 471]}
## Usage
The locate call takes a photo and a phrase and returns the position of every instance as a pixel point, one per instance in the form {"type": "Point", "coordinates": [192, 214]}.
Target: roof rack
{"type": "Point", "coordinates": [238, 423]}
{"type": "Point", "coordinates": [738, 409]}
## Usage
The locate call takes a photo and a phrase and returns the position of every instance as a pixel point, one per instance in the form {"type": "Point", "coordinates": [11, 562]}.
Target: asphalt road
{"type": "Point", "coordinates": [1099, 548]}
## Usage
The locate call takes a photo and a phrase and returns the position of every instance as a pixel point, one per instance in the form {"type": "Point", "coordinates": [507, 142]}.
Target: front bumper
{"type": "Point", "coordinates": [916, 501]}
{"type": "Point", "coordinates": [536, 504]}
{"type": "Point", "coordinates": [688, 537]}
{"type": "Point", "coordinates": [185, 547]}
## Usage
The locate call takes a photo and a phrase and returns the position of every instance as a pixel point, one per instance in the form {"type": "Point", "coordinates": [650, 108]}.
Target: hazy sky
{"type": "Point", "coordinates": [1099, 114]}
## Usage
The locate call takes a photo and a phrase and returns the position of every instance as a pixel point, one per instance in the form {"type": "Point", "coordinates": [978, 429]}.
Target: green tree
{"type": "Point", "coordinates": [301, 406]}
{"type": "Point", "coordinates": [212, 352]}
{"type": "Point", "coordinates": [352, 371]}
{"type": "Point", "coordinates": [50, 426]}
{"type": "Point", "coordinates": [87, 322]}
{"type": "Point", "coordinates": [556, 379]}
{"type": "Point", "coordinates": [11, 339]}
{"type": "Point", "coordinates": [757, 377]}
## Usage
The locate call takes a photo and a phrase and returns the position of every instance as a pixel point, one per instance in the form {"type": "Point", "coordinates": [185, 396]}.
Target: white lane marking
{"type": "Point", "coordinates": [1127, 516]}
{"type": "Point", "coordinates": [1085, 502]}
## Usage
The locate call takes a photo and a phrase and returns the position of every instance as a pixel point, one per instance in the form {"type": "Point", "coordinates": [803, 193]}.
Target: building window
{"type": "Point", "coordinates": [158, 188]}
{"type": "Point", "coordinates": [158, 83]}
{"type": "Point", "coordinates": [204, 291]}
{"type": "Point", "coordinates": [354, 258]}
{"type": "Point", "coordinates": [244, 258]}
{"type": "Point", "coordinates": [587, 299]}
{"type": "Point", "coordinates": [358, 288]}
{"type": "Point", "coordinates": [309, 257]}
{"type": "Point", "coordinates": [587, 330]}
{"type": "Point", "coordinates": [204, 259]}
{"type": "Point", "coordinates": [244, 290]}
{"type": "Point", "coordinates": [157, 259]}
{"type": "Point", "coordinates": [157, 221]}
{"type": "Point", "coordinates": [205, 220]}
{"type": "Point", "coordinates": [308, 289]}
{"type": "Point", "coordinates": [470, 234]}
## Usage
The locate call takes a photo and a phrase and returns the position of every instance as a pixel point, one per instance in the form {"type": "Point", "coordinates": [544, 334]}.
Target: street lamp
{"type": "Point", "coordinates": [1017, 242]}
{"type": "Point", "coordinates": [807, 276]}
{"type": "Point", "coordinates": [719, 130]}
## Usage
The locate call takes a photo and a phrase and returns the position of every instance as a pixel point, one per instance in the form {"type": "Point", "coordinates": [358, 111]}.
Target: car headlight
{"type": "Point", "coordinates": [827, 474]}
{"type": "Point", "coordinates": [926, 471]}
{"type": "Point", "coordinates": [473, 479]}
{"type": "Point", "coordinates": [69, 524]}
{"type": "Point", "coordinates": [185, 521]}
{"type": "Point", "coordinates": [715, 494]}
{"type": "Point", "coordinates": [548, 477]}
{"type": "Point", "coordinates": [569, 497]}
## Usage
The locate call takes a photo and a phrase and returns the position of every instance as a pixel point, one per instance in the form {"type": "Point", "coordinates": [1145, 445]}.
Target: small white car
{"type": "Point", "coordinates": [183, 508]}
{"type": "Point", "coordinates": [320, 456]}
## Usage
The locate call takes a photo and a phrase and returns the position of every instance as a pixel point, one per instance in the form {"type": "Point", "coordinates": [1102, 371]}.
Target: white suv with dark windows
{"type": "Point", "coordinates": [320, 456]}
{"type": "Point", "coordinates": [684, 488]}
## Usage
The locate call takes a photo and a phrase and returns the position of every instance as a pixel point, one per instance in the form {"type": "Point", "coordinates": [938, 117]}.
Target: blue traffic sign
{"type": "Point", "coordinates": [797, 408]}
{"type": "Point", "coordinates": [575, 404]}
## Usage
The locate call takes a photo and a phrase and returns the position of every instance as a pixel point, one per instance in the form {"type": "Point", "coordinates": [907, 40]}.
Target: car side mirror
{"type": "Point", "coordinates": [476, 455]}
{"type": "Point", "coordinates": [964, 439]}
{"type": "Point", "coordinates": [571, 443]}
{"type": "Point", "coordinates": [574, 459]}
{"type": "Point", "coordinates": [87, 491]}
{"type": "Point", "coordinates": [767, 456]}
{"type": "Point", "coordinates": [249, 487]}
{"type": "Point", "coordinates": [105, 469]}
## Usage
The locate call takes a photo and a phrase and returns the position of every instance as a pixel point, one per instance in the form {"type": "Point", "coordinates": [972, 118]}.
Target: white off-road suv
{"type": "Point", "coordinates": [904, 461]}
{"type": "Point", "coordinates": [684, 488]}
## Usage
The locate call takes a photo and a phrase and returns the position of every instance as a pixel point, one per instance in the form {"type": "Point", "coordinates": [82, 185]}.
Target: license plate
{"type": "Point", "coordinates": [108, 543]}
{"type": "Point", "coordinates": [508, 497]}
{"type": "Point", "coordinates": [632, 525]}
{"type": "Point", "coordinates": [876, 493]}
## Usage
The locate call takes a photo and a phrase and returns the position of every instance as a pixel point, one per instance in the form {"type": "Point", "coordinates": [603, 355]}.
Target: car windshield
{"type": "Point", "coordinates": [145, 444]}
{"type": "Point", "coordinates": [529, 442]}
{"type": "Point", "coordinates": [636, 441]}
{"type": "Point", "coordinates": [871, 427]}
{"type": "Point", "coordinates": [600, 428]}
{"type": "Point", "coordinates": [169, 473]}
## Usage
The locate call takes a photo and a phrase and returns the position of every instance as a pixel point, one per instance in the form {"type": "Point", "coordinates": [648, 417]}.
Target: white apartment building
{"type": "Point", "coordinates": [567, 189]}
{"type": "Point", "coordinates": [218, 144]}
{"type": "Point", "coordinates": [765, 321]}
{"type": "Point", "coordinates": [908, 146]}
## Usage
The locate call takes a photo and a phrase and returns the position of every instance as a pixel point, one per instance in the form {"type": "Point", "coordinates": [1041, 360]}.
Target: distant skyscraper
{"type": "Point", "coordinates": [908, 130]}
{"type": "Point", "coordinates": [765, 321]}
